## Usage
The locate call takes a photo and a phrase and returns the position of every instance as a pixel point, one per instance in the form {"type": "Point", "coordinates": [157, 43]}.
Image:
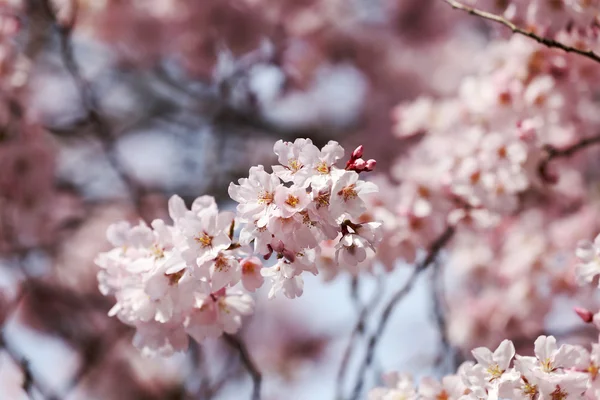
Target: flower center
{"type": "Point", "coordinates": [292, 201]}
{"type": "Point", "coordinates": [157, 251]}
{"type": "Point", "coordinates": [349, 192]}
{"type": "Point", "coordinates": [175, 277]}
{"type": "Point", "coordinates": [558, 394]}
{"type": "Point", "coordinates": [221, 263]}
{"type": "Point", "coordinates": [265, 198]}
{"type": "Point", "coordinates": [323, 200]}
{"type": "Point", "coordinates": [204, 239]}
{"type": "Point", "coordinates": [443, 395]}
{"type": "Point", "coordinates": [547, 365]}
{"type": "Point", "coordinates": [322, 168]}
{"type": "Point", "coordinates": [294, 165]}
{"type": "Point", "coordinates": [494, 371]}
{"type": "Point", "coordinates": [593, 370]}
{"type": "Point", "coordinates": [530, 390]}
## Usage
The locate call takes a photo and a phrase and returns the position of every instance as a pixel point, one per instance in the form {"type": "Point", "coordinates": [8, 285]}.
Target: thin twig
{"type": "Point", "coordinates": [246, 359]}
{"type": "Point", "coordinates": [447, 354]}
{"type": "Point", "coordinates": [515, 29]}
{"type": "Point", "coordinates": [356, 333]}
{"type": "Point", "coordinates": [432, 254]}
{"type": "Point", "coordinates": [554, 152]}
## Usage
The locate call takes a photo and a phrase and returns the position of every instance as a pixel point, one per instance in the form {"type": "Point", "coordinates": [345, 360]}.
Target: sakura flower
{"type": "Point", "coordinates": [291, 200]}
{"type": "Point", "coordinates": [569, 386]}
{"type": "Point", "coordinates": [206, 235]}
{"type": "Point", "coordinates": [224, 270]}
{"type": "Point", "coordinates": [351, 251]}
{"type": "Point", "coordinates": [496, 363]}
{"type": "Point", "coordinates": [348, 194]}
{"type": "Point", "coordinates": [291, 287]}
{"type": "Point", "coordinates": [160, 339]}
{"type": "Point", "coordinates": [255, 195]}
{"type": "Point", "coordinates": [252, 279]}
{"type": "Point", "coordinates": [450, 388]}
{"type": "Point", "coordinates": [588, 254]}
{"type": "Point", "coordinates": [218, 312]}
{"type": "Point", "coordinates": [398, 386]}
{"type": "Point", "coordinates": [291, 157]}
{"type": "Point", "coordinates": [552, 357]}
{"type": "Point", "coordinates": [321, 162]}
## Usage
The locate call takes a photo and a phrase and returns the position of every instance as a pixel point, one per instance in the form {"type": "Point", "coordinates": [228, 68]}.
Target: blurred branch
{"type": "Point", "coordinates": [515, 29]}
{"type": "Point", "coordinates": [30, 383]}
{"type": "Point", "coordinates": [447, 353]}
{"type": "Point", "coordinates": [554, 152]}
{"type": "Point", "coordinates": [90, 102]}
{"type": "Point", "coordinates": [356, 333]}
{"type": "Point", "coordinates": [246, 359]}
{"type": "Point", "coordinates": [432, 254]}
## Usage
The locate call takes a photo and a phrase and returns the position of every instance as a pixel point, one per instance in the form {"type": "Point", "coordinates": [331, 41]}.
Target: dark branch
{"type": "Point", "coordinates": [246, 359]}
{"type": "Point", "coordinates": [356, 333]}
{"type": "Point", "coordinates": [447, 354]}
{"type": "Point", "coordinates": [30, 382]}
{"type": "Point", "coordinates": [553, 153]}
{"type": "Point", "coordinates": [432, 254]}
{"type": "Point", "coordinates": [515, 29]}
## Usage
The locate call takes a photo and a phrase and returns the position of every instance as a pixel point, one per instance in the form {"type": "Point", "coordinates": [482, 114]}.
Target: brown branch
{"type": "Point", "coordinates": [554, 152]}
{"type": "Point", "coordinates": [356, 333]}
{"type": "Point", "coordinates": [448, 353]}
{"type": "Point", "coordinates": [249, 364]}
{"type": "Point", "coordinates": [432, 254]}
{"type": "Point", "coordinates": [515, 29]}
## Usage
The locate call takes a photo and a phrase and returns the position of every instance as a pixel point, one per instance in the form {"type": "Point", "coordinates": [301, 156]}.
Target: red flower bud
{"type": "Point", "coordinates": [584, 314]}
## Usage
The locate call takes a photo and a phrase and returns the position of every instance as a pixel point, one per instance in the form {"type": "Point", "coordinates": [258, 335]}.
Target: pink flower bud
{"type": "Point", "coordinates": [357, 153]}
{"type": "Point", "coordinates": [359, 165]}
{"type": "Point", "coordinates": [371, 165]}
{"type": "Point", "coordinates": [586, 315]}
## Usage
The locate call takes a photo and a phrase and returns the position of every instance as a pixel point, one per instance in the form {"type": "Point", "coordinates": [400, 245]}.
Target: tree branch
{"type": "Point", "coordinates": [553, 153]}
{"type": "Point", "coordinates": [515, 29]}
{"type": "Point", "coordinates": [432, 254]}
{"type": "Point", "coordinates": [246, 359]}
{"type": "Point", "coordinates": [447, 353]}
{"type": "Point", "coordinates": [91, 104]}
{"type": "Point", "coordinates": [356, 333]}
{"type": "Point", "coordinates": [30, 382]}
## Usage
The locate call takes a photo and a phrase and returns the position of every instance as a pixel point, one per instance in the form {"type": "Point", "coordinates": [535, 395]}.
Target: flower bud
{"type": "Point", "coordinates": [359, 165]}
{"type": "Point", "coordinates": [371, 165]}
{"type": "Point", "coordinates": [357, 153]}
{"type": "Point", "coordinates": [585, 314]}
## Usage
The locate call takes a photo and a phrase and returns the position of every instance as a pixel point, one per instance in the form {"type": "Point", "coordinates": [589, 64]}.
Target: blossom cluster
{"type": "Point", "coordinates": [192, 277]}
{"type": "Point", "coordinates": [565, 372]}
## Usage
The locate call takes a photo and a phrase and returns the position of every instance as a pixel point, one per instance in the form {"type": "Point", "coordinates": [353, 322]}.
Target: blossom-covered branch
{"type": "Point", "coordinates": [553, 152]}
{"type": "Point", "coordinates": [530, 34]}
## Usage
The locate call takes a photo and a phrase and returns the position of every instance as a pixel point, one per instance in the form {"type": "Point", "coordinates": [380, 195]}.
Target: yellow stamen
{"type": "Point", "coordinates": [204, 239]}
{"type": "Point", "coordinates": [292, 201]}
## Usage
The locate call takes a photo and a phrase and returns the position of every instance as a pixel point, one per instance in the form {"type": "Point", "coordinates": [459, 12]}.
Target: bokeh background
{"type": "Point", "coordinates": [111, 106]}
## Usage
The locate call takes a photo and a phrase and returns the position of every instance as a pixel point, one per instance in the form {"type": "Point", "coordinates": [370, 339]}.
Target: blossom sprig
{"type": "Point", "coordinates": [191, 277]}
{"type": "Point", "coordinates": [306, 202]}
{"type": "Point", "coordinates": [553, 373]}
